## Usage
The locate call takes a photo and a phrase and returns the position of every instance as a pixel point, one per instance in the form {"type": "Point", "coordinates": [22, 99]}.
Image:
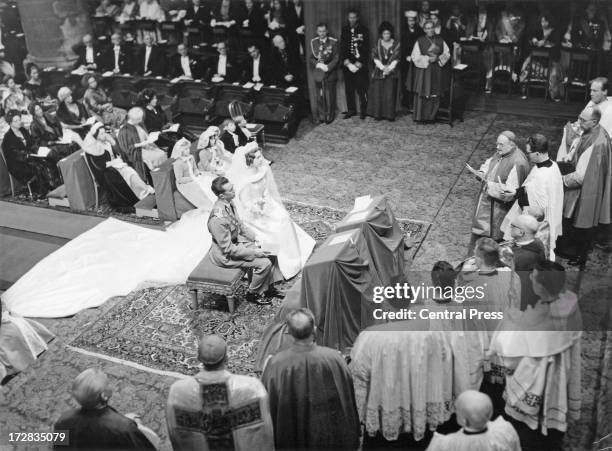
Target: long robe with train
{"type": "Point", "coordinates": [544, 188]}
{"type": "Point", "coordinates": [219, 410]}
{"type": "Point", "coordinates": [428, 77]}
{"type": "Point", "coordinates": [511, 169]}
{"type": "Point", "coordinates": [312, 400]}
{"type": "Point", "coordinates": [588, 189]}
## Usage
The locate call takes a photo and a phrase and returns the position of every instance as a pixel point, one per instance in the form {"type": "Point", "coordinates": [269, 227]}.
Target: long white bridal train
{"type": "Point", "coordinates": [109, 260]}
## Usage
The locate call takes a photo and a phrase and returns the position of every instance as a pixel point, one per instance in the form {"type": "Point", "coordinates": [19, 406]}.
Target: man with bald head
{"type": "Point", "coordinates": [477, 433]}
{"type": "Point", "coordinates": [216, 409]}
{"type": "Point", "coordinates": [117, 58]}
{"type": "Point", "coordinates": [311, 392]}
{"type": "Point", "coordinates": [587, 178]}
{"type": "Point", "coordinates": [527, 251]}
{"type": "Point", "coordinates": [503, 172]}
{"type": "Point", "coordinates": [96, 425]}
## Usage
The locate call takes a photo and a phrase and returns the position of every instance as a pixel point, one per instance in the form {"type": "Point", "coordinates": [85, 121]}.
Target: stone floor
{"type": "Point", "coordinates": [420, 168]}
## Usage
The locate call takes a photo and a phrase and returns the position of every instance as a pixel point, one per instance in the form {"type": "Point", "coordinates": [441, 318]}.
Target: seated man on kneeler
{"type": "Point", "coordinates": [234, 245]}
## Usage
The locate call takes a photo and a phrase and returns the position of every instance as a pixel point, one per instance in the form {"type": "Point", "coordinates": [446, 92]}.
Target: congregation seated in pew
{"type": "Point", "coordinates": [138, 146]}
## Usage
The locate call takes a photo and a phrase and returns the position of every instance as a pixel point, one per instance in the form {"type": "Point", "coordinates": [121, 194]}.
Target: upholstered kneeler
{"type": "Point", "coordinates": [170, 203]}
{"type": "Point", "coordinates": [211, 278]}
{"type": "Point", "coordinates": [79, 184]}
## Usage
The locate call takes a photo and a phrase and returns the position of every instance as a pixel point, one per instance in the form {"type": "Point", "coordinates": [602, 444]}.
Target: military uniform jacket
{"type": "Point", "coordinates": [355, 45]}
{"type": "Point", "coordinates": [229, 236]}
{"type": "Point", "coordinates": [325, 52]}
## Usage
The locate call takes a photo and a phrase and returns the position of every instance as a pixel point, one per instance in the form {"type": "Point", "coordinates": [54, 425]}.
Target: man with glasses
{"type": "Point", "coordinates": [543, 188]}
{"type": "Point", "coordinates": [586, 168]}
{"type": "Point", "coordinates": [235, 246]}
{"type": "Point", "coordinates": [504, 171]}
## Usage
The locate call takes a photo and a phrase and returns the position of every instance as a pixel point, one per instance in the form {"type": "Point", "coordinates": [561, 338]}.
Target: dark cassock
{"type": "Point", "coordinates": [219, 410]}
{"type": "Point", "coordinates": [354, 51]}
{"type": "Point", "coordinates": [312, 400]}
{"type": "Point", "coordinates": [127, 138]}
{"type": "Point", "coordinates": [510, 169]}
{"type": "Point", "coordinates": [587, 184]}
{"type": "Point", "coordinates": [429, 55]}
{"type": "Point", "coordinates": [409, 37]}
{"type": "Point", "coordinates": [526, 255]}
{"type": "Point", "coordinates": [323, 62]}
{"type": "Point", "coordinates": [103, 428]}
{"type": "Point", "coordinates": [384, 88]}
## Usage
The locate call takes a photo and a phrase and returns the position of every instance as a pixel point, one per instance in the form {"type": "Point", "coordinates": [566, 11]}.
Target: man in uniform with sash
{"type": "Point", "coordinates": [323, 62]}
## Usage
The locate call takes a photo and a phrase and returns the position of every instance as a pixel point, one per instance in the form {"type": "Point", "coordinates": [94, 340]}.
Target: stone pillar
{"type": "Point", "coordinates": [51, 28]}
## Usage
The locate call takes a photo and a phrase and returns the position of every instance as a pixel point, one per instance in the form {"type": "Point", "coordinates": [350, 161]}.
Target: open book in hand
{"type": "Point", "coordinates": [153, 137]}
{"type": "Point", "coordinates": [173, 128]}
{"type": "Point", "coordinates": [42, 151]}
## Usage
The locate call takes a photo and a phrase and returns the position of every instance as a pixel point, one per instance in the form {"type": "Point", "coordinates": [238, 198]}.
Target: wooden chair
{"type": "Point", "coordinates": [538, 71]}
{"type": "Point", "coordinates": [239, 109]}
{"type": "Point", "coordinates": [578, 74]}
{"type": "Point", "coordinates": [504, 59]}
{"type": "Point", "coordinates": [472, 56]}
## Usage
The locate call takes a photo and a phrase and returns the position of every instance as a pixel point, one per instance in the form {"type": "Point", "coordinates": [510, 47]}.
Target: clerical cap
{"type": "Point", "coordinates": [212, 349]}
{"type": "Point", "coordinates": [411, 13]}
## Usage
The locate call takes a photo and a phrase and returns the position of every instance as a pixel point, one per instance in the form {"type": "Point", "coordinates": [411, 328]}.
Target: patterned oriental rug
{"type": "Point", "coordinates": [155, 327]}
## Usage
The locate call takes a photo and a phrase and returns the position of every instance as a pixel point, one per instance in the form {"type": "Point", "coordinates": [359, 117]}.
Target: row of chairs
{"type": "Point", "coordinates": [504, 59]}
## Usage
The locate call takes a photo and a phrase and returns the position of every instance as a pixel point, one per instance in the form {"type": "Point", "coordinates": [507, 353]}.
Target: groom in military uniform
{"type": "Point", "coordinates": [235, 246]}
{"type": "Point", "coordinates": [324, 61]}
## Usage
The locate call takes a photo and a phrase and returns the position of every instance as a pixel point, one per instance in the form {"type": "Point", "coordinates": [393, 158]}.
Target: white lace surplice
{"type": "Point", "coordinates": [109, 260]}
{"type": "Point", "coordinates": [403, 380]}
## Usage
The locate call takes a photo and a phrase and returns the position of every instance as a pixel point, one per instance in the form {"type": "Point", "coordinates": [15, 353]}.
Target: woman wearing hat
{"type": "Point", "coordinates": [383, 98]}
{"type": "Point", "coordinates": [123, 185]}
{"type": "Point", "coordinates": [190, 182]}
{"type": "Point", "coordinates": [98, 104]}
{"type": "Point", "coordinates": [71, 113]}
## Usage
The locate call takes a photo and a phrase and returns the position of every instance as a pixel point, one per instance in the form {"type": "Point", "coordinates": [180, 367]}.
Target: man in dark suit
{"type": "Point", "coordinates": [223, 66]}
{"type": "Point", "coordinates": [295, 26]}
{"type": "Point", "coordinates": [151, 61]}
{"type": "Point", "coordinates": [527, 251]}
{"type": "Point", "coordinates": [232, 136]}
{"type": "Point", "coordinates": [184, 65]}
{"type": "Point", "coordinates": [254, 20]}
{"type": "Point", "coordinates": [118, 58]}
{"type": "Point", "coordinates": [354, 53]}
{"type": "Point", "coordinates": [287, 65]}
{"type": "Point", "coordinates": [95, 424]}
{"type": "Point", "coordinates": [258, 69]}
{"type": "Point", "coordinates": [89, 56]}
{"type": "Point", "coordinates": [198, 15]}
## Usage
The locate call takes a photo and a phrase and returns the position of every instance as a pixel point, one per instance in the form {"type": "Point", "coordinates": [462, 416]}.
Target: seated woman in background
{"type": "Point", "coordinates": [260, 207]}
{"type": "Point", "coordinates": [72, 114]}
{"type": "Point", "coordinates": [232, 136]}
{"type": "Point", "coordinates": [122, 184]}
{"type": "Point", "coordinates": [99, 105]}
{"type": "Point", "coordinates": [211, 154]}
{"type": "Point", "coordinates": [13, 98]}
{"type": "Point", "coordinates": [546, 36]}
{"type": "Point", "coordinates": [21, 342]}
{"type": "Point", "coordinates": [277, 19]}
{"type": "Point", "coordinates": [156, 120]}
{"type": "Point", "coordinates": [46, 131]}
{"type": "Point", "coordinates": [190, 182]}
{"type": "Point", "coordinates": [18, 148]}
{"type": "Point", "coordinates": [34, 87]}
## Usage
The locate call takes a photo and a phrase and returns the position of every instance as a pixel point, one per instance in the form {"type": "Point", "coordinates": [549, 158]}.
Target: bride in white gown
{"type": "Point", "coordinates": [111, 259]}
{"type": "Point", "coordinates": [260, 207]}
